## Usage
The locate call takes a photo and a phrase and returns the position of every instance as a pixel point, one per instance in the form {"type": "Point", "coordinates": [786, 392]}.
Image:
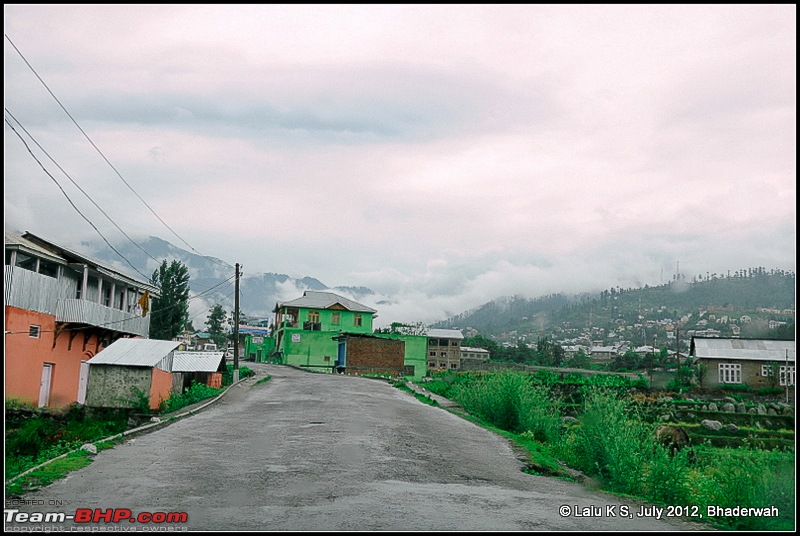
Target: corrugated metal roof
{"type": "Point", "coordinates": [313, 299]}
{"type": "Point", "coordinates": [752, 349]}
{"type": "Point", "coordinates": [136, 353]}
{"type": "Point", "coordinates": [72, 256]}
{"type": "Point", "coordinates": [196, 361]}
{"type": "Point", "coordinates": [15, 241]}
{"type": "Point", "coordinates": [445, 333]}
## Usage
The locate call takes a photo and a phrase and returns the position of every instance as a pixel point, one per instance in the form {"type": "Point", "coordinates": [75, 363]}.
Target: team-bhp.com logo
{"type": "Point", "coordinates": [95, 515]}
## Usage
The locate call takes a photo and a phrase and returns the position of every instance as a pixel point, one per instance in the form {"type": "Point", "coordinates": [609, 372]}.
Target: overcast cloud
{"type": "Point", "coordinates": [441, 155]}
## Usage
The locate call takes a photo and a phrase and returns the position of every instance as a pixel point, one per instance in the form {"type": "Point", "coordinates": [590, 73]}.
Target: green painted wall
{"type": "Point", "coordinates": [258, 352]}
{"type": "Point", "coordinates": [416, 352]}
{"type": "Point", "coordinates": [346, 320]}
{"type": "Point", "coordinates": [309, 348]}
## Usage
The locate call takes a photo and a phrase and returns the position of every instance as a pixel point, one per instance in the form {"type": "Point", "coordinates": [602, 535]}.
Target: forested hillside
{"type": "Point", "coordinates": [743, 291]}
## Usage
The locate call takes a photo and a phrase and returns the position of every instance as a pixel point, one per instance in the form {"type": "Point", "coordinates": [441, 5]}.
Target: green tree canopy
{"type": "Point", "coordinates": [170, 312]}
{"type": "Point", "coordinates": [215, 323]}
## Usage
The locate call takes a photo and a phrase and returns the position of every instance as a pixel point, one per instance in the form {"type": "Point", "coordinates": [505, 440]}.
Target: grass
{"type": "Point", "coordinates": [49, 473]}
{"type": "Point", "coordinates": [265, 379]}
{"type": "Point", "coordinates": [614, 445]}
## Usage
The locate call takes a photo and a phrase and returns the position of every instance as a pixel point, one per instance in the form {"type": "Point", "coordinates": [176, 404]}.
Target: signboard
{"type": "Point", "coordinates": [295, 337]}
{"type": "Point", "coordinates": [258, 340]}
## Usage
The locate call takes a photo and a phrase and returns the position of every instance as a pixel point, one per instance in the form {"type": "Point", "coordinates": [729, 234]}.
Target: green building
{"type": "Point", "coordinates": [306, 332]}
{"type": "Point", "coordinates": [258, 344]}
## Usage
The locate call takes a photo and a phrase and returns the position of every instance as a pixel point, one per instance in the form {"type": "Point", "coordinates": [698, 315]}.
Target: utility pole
{"type": "Point", "coordinates": [236, 329]}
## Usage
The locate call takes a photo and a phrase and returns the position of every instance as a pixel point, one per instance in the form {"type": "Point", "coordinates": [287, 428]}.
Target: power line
{"type": "Point", "coordinates": [70, 200]}
{"type": "Point", "coordinates": [99, 151]}
{"type": "Point", "coordinates": [77, 185]}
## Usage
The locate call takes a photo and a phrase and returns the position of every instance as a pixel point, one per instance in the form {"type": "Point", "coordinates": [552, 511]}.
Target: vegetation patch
{"type": "Point", "coordinates": [48, 474]}
{"type": "Point", "coordinates": [611, 440]}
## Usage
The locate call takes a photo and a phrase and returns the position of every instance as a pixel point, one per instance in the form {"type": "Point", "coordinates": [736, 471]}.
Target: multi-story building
{"type": "Point", "coordinates": [444, 349]}
{"type": "Point", "coordinates": [314, 331]}
{"type": "Point", "coordinates": [61, 309]}
{"type": "Point", "coordinates": [305, 327]}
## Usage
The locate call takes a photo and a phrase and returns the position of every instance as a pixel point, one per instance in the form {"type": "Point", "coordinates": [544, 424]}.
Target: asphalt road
{"type": "Point", "coordinates": [321, 452]}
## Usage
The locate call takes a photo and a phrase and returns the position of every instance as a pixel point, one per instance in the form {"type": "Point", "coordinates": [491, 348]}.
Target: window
{"type": "Point", "coordinates": [34, 331]}
{"type": "Point", "coordinates": [432, 353]}
{"type": "Point", "coordinates": [730, 373]}
{"type": "Point", "coordinates": [313, 316]}
{"type": "Point", "coordinates": [454, 342]}
{"type": "Point", "coordinates": [357, 320]}
{"type": "Point", "coordinates": [327, 359]}
{"type": "Point", "coordinates": [443, 354]}
{"type": "Point", "coordinates": [433, 342]}
{"type": "Point", "coordinates": [48, 268]}
{"type": "Point", "coordinates": [336, 318]}
{"type": "Point", "coordinates": [26, 261]}
{"type": "Point", "coordinates": [453, 365]}
{"type": "Point", "coordinates": [783, 376]}
{"type": "Point", "coordinates": [766, 370]}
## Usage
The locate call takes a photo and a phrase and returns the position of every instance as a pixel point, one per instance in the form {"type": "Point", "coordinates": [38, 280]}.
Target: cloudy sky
{"type": "Point", "coordinates": [444, 155]}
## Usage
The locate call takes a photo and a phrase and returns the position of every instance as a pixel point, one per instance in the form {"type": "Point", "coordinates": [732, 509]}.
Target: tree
{"type": "Point", "coordinates": [215, 322]}
{"type": "Point", "coordinates": [170, 312]}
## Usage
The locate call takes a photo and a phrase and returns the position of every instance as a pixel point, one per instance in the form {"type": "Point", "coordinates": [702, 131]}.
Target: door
{"type": "Point", "coordinates": [83, 381]}
{"type": "Point", "coordinates": [44, 387]}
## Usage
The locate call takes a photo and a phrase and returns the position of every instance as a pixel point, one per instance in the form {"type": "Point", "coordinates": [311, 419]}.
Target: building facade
{"type": "Point", "coordinates": [444, 349]}
{"type": "Point", "coordinates": [61, 309]}
{"type": "Point", "coordinates": [754, 362]}
{"type": "Point", "coordinates": [305, 328]}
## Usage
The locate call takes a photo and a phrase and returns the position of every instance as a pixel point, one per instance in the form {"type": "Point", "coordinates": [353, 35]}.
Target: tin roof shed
{"type": "Point", "coordinates": [137, 353]}
{"type": "Point", "coordinates": [749, 349]}
{"type": "Point", "coordinates": [196, 361]}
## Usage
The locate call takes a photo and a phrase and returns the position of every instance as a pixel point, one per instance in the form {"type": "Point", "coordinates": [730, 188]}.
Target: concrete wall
{"type": "Point", "coordinates": [25, 357]}
{"type": "Point", "coordinates": [751, 372]}
{"type": "Point", "coordinates": [160, 387]}
{"type": "Point", "coordinates": [112, 386]}
{"type": "Point", "coordinates": [311, 349]}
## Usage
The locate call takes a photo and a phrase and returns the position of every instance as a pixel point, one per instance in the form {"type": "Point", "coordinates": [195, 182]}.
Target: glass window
{"type": "Point", "coordinates": [34, 331]}
{"type": "Point", "coordinates": [357, 320]}
{"type": "Point", "coordinates": [26, 261]}
{"type": "Point", "coordinates": [730, 373]}
{"type": "Point", "coordinates": [336, 318]}
{"type": "Point", "coordinates": [48, 268]}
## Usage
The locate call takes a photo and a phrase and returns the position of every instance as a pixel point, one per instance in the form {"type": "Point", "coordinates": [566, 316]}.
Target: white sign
{"type": "Point", "coordinates": [258, 340]}
{"type": "Point", "coordinates": [295, 337]}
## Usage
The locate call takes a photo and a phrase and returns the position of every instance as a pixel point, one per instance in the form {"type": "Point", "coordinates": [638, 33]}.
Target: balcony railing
{"type": "Point", "coordinates": [94, 314]}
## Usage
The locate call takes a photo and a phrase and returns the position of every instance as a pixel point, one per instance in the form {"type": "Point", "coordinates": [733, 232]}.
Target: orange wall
{"type": "Point", "coordinates": [160, 387]}
{"type": "Point", "coordinates": [25, 356]}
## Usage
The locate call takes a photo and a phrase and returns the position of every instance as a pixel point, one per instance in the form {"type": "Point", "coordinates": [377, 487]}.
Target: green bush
{"type": "Point", "coordinates": [613, 442]}
{"type": "Point", "coordinates": [195, 393]}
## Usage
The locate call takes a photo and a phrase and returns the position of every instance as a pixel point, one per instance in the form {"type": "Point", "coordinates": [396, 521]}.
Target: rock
{"type": "Point", "coordinates": [761, 409]}
{"type": "Point", "coordinates": [771, 411]}
{"type": "Point", "coordinates": [569, 420]}
{"type": "Point", "coordinates": [729, 400]}
{"type": "Point", "coordinates": [741, 408]}
{"type": "Point", "coordinates": [89, 447]}
{"type": "Point", "coordinates": [788, 410]}
{"type": "Point", "coordinates": [752, 411]}
{"type": "Point", "coordinates": [713, 407]}
{"type": "Point", "coordinates": [728, 408]}
{"type": "Point", "coordinates": [665, 418]}
{"type": "Point", "coordinates": [711, 425]}
{"type": "Point", "coordinates": [732, 428]}
{"type": "Point", "coordinates": [155, 420]}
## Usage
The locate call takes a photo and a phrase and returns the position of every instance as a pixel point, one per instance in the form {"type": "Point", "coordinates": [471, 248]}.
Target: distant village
{"type": "Point", "coordinates": [77, 332]}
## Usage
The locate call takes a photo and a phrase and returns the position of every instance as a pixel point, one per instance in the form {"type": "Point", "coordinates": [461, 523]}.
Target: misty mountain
{"type": "Point", "coordinates": [212, 281]}
{"type": "Point", "coordinates": [744, 291]}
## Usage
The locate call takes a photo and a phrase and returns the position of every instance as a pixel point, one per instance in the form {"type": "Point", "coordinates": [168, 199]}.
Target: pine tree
{"type": "Point", "coordinates": [215, 323]}
{"type": "Point", "coordinates": [170, 312]}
